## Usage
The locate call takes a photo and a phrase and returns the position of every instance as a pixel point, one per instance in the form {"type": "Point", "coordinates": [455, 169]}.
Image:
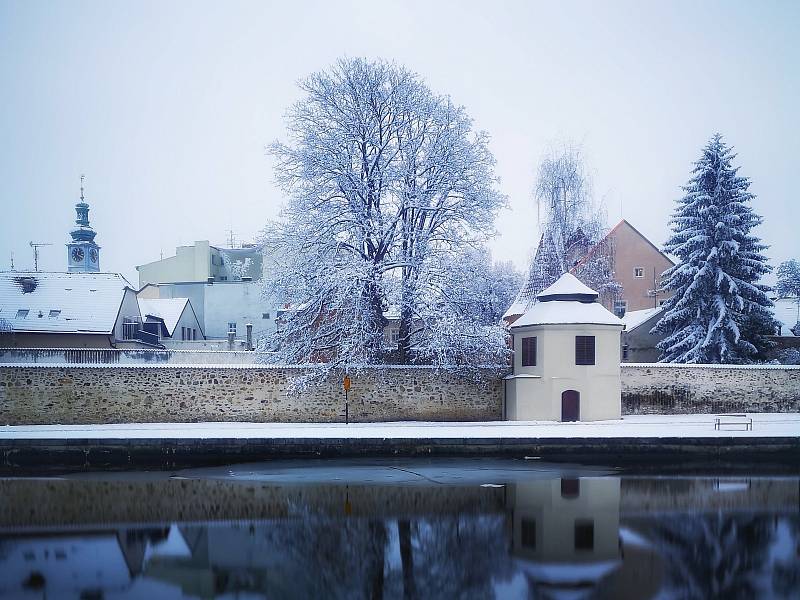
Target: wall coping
{"type": "Point", "coordinates": [709, 366]}
{"type": "Point", "coordinates": [185, 366]}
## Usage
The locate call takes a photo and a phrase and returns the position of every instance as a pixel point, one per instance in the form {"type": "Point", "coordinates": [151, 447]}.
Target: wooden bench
{"type": "Point", "coordinates": [733, 419]}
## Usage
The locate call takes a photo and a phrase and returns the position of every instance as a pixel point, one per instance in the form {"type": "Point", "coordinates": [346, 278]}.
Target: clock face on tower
{"type": "Point", "coordinates": [77, 254]}
{"type": "Point", "coordinates": [93, 255]}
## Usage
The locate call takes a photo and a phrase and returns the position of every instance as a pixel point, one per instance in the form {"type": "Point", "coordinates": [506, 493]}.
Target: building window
{"type": "Point", "coordinates": [22, 313]}
{"type": "Point", "coordinates": [224, 278]}
{"type": "Point", "coordinates": [638, 272]}
{"type": "Point", "coordinates": [232, 327]}
{"type": "Point", "coordinates": [625, 350]}
{"type": "Point", "coordinates": [265, 315]}
{"type": "Point", "coordinates": [54, 313]}
{"type": "Point", "coordinates": [662, 302]}
{"type": "Point", "coordinates": [194, 334]}
{"type": "Point", "coordinates": [183, 333]}
{"type": "Point", "coordinates": [529, 534]}
{"type": "Point", "coordinates": [620, 306]}
{"type": "Point", "coordinates": [529, 352]}
{"type": "Point", "coordinates": [584, 534]}
{"type": "Point", "coordinates": [584, 349]}
{"type": "Point", "coordinates": [395, 336]}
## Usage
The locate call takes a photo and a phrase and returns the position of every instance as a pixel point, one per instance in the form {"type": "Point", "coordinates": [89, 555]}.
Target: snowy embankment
{"type": "Point", "coordinates": [634, 426]}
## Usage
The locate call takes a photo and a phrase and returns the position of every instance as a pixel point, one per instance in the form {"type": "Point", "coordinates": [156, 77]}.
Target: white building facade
{"type": "Point", "coordinates": [566, 358]}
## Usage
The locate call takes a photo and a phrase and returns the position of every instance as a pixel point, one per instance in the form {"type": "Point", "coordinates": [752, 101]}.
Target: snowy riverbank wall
{"type": "Point", "coordinates": [102, 393]}
{"type": "Point", "coordinates": [51, 393]}
{"type": "Point", "coordinates": [659, 388]}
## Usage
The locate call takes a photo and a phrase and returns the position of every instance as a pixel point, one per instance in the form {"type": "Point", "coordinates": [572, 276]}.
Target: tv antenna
{"type": "Point", "coordinates": [12, 260]}
{"type": "Point", "coordinates": [36, 247]}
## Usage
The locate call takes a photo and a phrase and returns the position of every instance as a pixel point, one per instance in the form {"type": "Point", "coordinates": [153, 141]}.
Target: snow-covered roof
{"type": "Point", "coordinates": [168, 310]}
{"type": "Point", "coordinates": [567, 285]}
{"type": "Point", "coordinates": [61, 302]}
{"type": "Point", "coordinates": [567, 312]}
{"type": "Point", "coordinates": [633, 318]}
{"type": "Point", "coordinates": [565, 302]}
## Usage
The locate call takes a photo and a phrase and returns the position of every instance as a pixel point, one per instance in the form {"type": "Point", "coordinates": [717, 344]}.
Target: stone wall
{"type": "Point", "coordinates": [79, 394]}
{"type": "Point", "coordinates": [669, 389]}
{"type": "Point", "coordinates": [122, 393]}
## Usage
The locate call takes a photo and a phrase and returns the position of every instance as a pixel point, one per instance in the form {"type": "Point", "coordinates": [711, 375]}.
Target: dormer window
{"type": "Point", "coordinates": [54, 313]}
{"type": "Point", "coordinates": [22, 313]}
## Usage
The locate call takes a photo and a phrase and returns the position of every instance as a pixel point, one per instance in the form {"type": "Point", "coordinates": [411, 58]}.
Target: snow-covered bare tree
{"type": "Point", "coordinates": [572, 226]}
{"type": "Point", "coordinates": [387, 182]}
{"type": "Point", "coordinates": [719, 312]}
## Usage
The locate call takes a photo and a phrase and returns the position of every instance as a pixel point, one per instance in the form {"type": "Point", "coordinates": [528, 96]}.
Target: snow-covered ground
{"type": "Point", "coordinates": [641, 426]}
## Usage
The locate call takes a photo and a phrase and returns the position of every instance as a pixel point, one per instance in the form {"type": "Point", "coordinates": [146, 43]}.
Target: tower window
{"type": "Point", "coordinates": [584, 350]}
{"type": "Point", "coordinates": [529, 352]}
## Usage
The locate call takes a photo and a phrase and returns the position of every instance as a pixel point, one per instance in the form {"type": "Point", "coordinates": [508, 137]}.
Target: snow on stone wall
{"type": "Point", "coordinates": [674, 389]}
{"type": "Point", "coordinates": [70, 394]}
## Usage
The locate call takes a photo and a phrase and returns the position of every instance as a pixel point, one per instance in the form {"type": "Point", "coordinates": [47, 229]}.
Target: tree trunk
{"type": "Point", "coordinates": [407, 558]}
{"type": "Point", "coordinates": [377, 530]}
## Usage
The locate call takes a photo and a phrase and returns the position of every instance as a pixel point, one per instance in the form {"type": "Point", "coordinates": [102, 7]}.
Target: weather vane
{"type": "Point", "coordinates": [82, 178]}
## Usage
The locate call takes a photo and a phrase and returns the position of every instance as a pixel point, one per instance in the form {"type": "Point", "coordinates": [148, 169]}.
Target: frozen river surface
{"type": "Point", "coordinates": [401, 529]}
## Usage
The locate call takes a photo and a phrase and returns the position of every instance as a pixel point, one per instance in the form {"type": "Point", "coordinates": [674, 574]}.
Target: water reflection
{"type": "Point", "coordinates": [537, 536]}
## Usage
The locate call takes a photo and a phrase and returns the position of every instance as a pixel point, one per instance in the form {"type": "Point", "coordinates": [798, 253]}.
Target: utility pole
{"type": "Point", "coordinates": [36, 247]}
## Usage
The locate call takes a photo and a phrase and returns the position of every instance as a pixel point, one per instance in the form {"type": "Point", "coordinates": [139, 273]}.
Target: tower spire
{"type": "Point", "coordinates": [82, 178]}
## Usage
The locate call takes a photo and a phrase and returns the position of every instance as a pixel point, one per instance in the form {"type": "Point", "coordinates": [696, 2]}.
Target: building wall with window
{"type": "Point", "coordinates": [202, 262]}
{"type": "Point", "coordinates": [534, 392]}
{"type": "Point", "coordinates": [638, 265]}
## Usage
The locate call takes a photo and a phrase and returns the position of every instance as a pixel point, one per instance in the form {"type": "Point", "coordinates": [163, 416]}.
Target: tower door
{"type": "Point", "coordinates": [570, 406]}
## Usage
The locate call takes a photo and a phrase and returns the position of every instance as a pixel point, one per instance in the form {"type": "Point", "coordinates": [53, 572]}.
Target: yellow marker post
{"type": "Point", "coordinates": [346, 386]}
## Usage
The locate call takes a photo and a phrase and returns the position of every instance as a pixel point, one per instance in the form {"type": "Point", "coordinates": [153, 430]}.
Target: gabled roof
{"type": "Point", "coordinates": [614, 229]}
{"type": "Point", "coordinates": [169, 310]}
{"type": "Point", "coordinates": [61, 302]}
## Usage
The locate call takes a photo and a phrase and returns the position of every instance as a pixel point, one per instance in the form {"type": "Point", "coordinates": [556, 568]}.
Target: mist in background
{"type": "Point", "coordinates": [166, 107]}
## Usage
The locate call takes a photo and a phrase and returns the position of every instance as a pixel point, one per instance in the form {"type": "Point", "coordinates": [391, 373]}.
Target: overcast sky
{"type": "Point", "coordinates": [167, 106]}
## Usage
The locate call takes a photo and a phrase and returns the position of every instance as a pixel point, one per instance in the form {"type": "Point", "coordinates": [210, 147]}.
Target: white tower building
{"type": "Point", "coordinates": [566, 357]}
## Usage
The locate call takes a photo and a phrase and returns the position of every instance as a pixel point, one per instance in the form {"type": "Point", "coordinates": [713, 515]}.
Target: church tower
{"type": "Point", "coordinates": [83, 255]}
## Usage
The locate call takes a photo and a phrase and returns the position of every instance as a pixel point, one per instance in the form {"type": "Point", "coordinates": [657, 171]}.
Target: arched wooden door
{"type": "Point", "coordinates": [570, 406]}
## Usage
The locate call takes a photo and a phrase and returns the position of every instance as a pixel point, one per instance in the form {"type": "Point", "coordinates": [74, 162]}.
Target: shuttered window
{"type": "Point", "coordinates": [529, 352]}
{"type": "Point", "coordinates": [584, 349]}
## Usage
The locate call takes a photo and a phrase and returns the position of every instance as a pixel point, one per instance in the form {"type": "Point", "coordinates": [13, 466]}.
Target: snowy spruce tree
{"type": "Point", "coordinates": [719, 312]}
{"type": "Point", "coordinates": [387, 186]}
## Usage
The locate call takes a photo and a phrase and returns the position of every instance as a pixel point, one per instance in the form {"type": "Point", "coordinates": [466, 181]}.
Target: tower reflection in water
{"type": "Point", "coordinates": [567, 541]}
